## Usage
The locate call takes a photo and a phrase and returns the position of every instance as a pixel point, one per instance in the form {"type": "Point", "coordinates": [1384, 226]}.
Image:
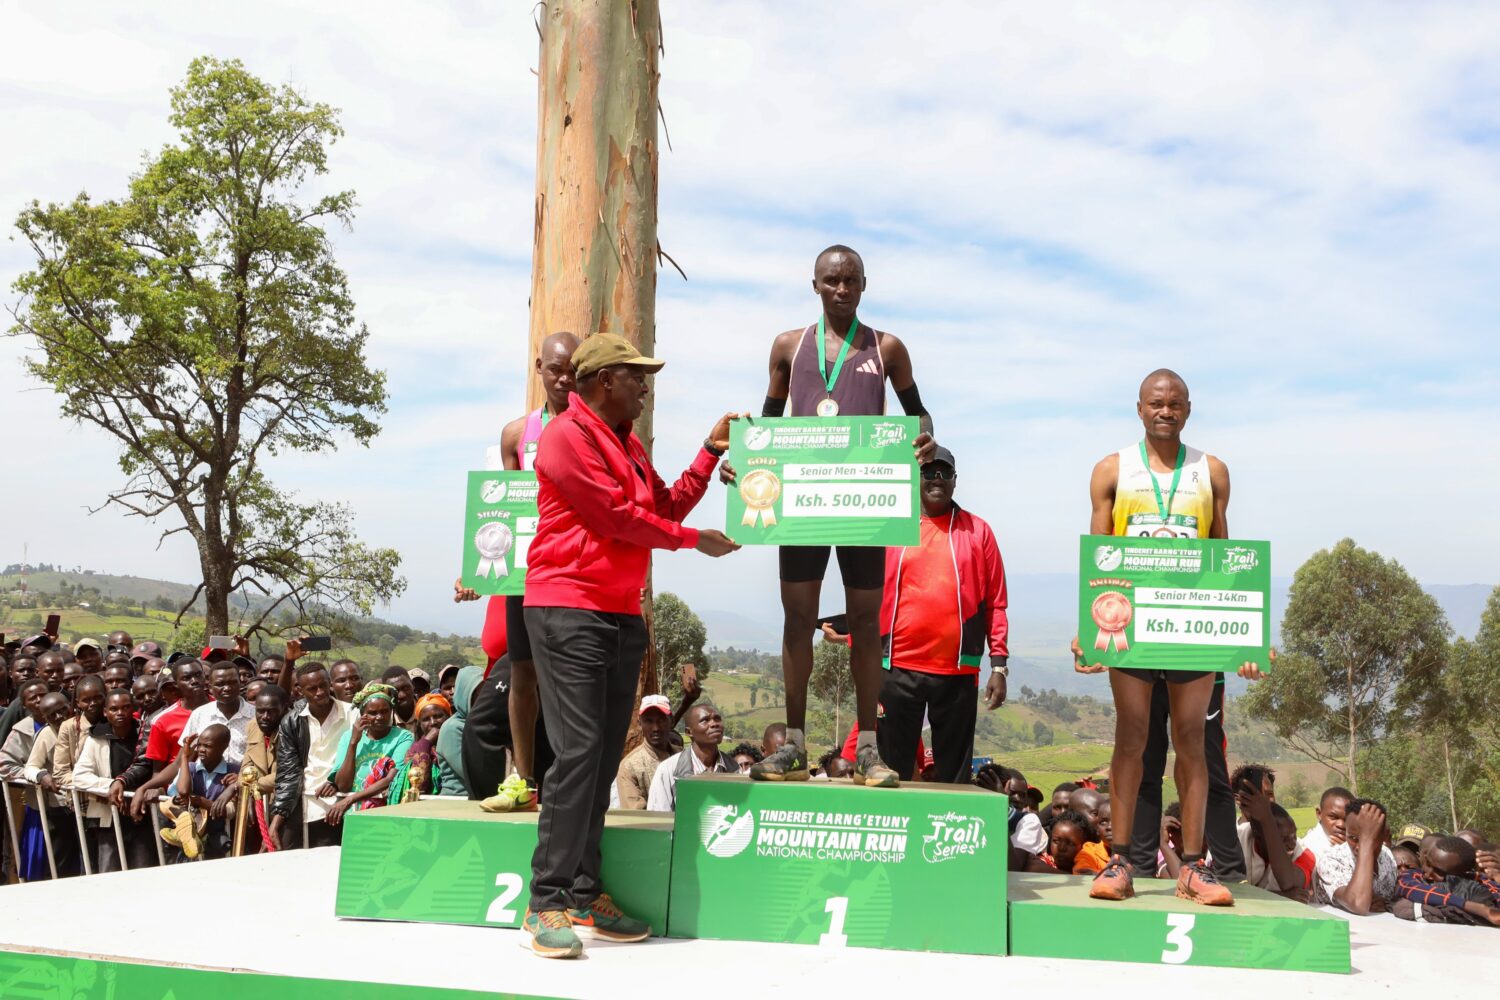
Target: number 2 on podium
{"type": "Point", "coordinates": [1181, 946]}
{"type": "Point", "coordinates": [500, 911]}
{"type": "Point", "coordinates": [838, 908]}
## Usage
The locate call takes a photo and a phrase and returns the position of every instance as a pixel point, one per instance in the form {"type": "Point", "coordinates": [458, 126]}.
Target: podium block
{"type": "Point", "coordinates": [1051, 916]}
{"type": "Point", "coordinates": [447, 861]}
{"type": "Point", "coordinates": [916, 868]}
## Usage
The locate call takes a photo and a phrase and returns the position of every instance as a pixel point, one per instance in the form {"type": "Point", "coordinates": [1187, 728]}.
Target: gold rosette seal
{"type": "Point", "coordinates": [760, 490]}
{"type": "Point", "coordinates": [1112, 612]}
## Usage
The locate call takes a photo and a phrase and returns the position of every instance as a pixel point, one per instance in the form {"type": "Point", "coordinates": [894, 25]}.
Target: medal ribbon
{"type": "Point", "coordinates": [1165, 510]}
{"type": "Point", "coordinates": [831, 379]}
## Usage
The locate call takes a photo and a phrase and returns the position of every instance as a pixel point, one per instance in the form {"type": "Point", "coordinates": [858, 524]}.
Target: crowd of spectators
{"type": "Point", "coordinates": [116, 755]}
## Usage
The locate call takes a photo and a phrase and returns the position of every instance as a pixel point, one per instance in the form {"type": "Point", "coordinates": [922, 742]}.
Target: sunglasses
{"type": "Point", "coordinates": [936, 473]}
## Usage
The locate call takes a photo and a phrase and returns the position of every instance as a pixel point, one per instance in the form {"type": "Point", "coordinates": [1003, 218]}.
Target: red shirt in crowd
{"type": "Point", "coordinates": [166, 731]}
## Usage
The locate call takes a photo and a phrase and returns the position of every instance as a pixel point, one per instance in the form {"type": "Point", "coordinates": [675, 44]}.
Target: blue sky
{"type": "Point", "coordinates": [1296, 206]}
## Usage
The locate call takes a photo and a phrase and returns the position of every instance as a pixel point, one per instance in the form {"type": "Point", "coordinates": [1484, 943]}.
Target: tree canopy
{"type": "Point", "coordinates": [202, 321]}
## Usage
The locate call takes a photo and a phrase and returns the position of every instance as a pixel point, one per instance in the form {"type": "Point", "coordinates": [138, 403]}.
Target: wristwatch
{"type": "Point", "coordinates": [1001, 667]}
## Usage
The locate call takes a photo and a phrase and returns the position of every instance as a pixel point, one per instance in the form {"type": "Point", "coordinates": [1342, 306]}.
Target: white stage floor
{"type": "Point", "coordinates": [274, 914]}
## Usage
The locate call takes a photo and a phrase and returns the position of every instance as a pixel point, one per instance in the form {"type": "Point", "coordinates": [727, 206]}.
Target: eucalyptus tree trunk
{"type": "Point", "coordinates": [594, 251]}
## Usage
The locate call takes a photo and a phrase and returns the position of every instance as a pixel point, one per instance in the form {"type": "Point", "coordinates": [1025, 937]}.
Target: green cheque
{"type": "Point", "coordinates": [1174, 603]}
{"type": "Point", "coordinates": [824, 481]}
{"type": "Point", "coordinates": [499, 524]}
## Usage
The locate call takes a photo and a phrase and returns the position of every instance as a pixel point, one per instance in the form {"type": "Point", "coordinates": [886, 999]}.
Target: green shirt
{"type": "Point", "coordinates": [393, 745]}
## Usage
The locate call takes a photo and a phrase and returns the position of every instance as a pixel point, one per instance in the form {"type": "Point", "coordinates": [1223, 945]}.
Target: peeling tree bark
{"type": "Point", "coordinates": [594, 250]}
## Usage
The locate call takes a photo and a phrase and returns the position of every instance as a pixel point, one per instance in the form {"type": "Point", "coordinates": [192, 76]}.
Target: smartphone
{"type": "Point", "coordinates": [221, 642]}
{"type": "Point", "coordinates": [317, 643]}
{"type": "Point", "coordinates": [54, 622]}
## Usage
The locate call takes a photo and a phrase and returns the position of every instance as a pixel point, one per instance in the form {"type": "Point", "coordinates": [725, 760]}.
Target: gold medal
{"type": "Point", "coordinates": [760, 490]}
{"type": "Point", "coordinates": [828, 407]}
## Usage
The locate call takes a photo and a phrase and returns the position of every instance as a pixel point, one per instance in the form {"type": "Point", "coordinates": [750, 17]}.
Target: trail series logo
{"type": "Point", "coordinates": [1238, 560]}
{"type": "Point", "coordinates": [953, 835]}
{"type": "Point", "coordinates": [886, 435]}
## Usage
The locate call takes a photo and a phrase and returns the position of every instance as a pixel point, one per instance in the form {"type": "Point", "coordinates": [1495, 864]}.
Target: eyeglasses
{"type": "Point", "coordinates": [937, 473]}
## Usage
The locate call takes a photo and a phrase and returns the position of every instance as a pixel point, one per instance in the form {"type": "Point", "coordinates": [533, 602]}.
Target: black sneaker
{"type": "Point", "coordinates": [870, 770]}
{"type": "Point", "coordinates": [787, 764]}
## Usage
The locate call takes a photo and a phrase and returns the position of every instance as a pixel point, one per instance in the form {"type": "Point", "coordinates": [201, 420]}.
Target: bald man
{"type": "Point", "coordinates": [1160, 488]}
{"type": "Point", "coordinates": [518, 446]}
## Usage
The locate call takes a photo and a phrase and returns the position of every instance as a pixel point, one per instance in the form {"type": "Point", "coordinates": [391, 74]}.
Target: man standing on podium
{"type": "Point", "coordinates": [601, 510]}
{"type": "Point", "coordinates": [837, 366]}
{"type": "Point", "coordinates": [1160, 488]}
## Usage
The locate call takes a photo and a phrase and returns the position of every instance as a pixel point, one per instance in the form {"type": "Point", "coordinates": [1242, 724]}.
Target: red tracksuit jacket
{"type": "Point", "coordinates": [602, 509]}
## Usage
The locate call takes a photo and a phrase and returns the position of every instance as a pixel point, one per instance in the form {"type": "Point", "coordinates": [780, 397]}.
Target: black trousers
{"type": "Point", "coordinates": [951, 701]}
{"type": "Point", "coordinates": [140, 847]}
{"type": "Point", "coordinates": [1220, 823]}
{"type": "Point", "coordinates": [587, 666]}
{"type": "Point", "coordinates": [487, 736]}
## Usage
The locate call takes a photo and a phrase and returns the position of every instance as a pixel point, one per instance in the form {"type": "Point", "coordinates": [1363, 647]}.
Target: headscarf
{"type": "Point", "coordinates": [451, 779]}
{"type": "Point", "coordinates": [375, 689]}
{"type": "Point", "coordinates": [435, 698]}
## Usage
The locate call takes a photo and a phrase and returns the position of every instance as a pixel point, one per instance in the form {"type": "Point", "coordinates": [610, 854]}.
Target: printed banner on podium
{"type": "Point", "coordinates": [1174, 603]}
{"type": "Point", "coordinates": [919, 868]}
{"type": "Point", "coordinates": [499, 524]}
{"type": "Point", "coordinates": [446, 861]}
{"type": "Point", "coordinates": [824, 481]}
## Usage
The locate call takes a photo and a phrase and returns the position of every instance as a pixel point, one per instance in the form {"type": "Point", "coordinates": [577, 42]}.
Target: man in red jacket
{"type": "Point", "coordinates": [602, 509]}
{"type": "Point", "coordinates": [944, 604]}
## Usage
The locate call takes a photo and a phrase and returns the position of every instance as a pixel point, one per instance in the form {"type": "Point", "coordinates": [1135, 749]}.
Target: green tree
{"type": "Point", "coordinates": [1361, 640]}
{"type": "Point", "coordinates": [680, 638]}
{"type": "Point", "coordinates": [190, 636]}
{"type": "Point", "coordinates": [832, 683]}
{"type": "Point", "coordinates": [437, 659]}
{"type": "Point", "coordinates": [387, 645]}
{"type": "Point", "coordinates": [203, 322]}
{"type": "Point", "coordinates": [1041, 733]}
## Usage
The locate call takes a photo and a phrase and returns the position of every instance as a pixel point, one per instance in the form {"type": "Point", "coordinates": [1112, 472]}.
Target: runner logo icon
{"type": "Point", "coordinates": [724, 832]}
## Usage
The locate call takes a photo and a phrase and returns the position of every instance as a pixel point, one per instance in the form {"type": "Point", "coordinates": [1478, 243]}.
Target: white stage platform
{"type": "Point", "coordinates": [273, 914]}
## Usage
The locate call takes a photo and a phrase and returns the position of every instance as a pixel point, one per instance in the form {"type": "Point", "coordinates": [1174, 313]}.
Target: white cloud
{"type": "Point", "coordinates": [1295, 206]}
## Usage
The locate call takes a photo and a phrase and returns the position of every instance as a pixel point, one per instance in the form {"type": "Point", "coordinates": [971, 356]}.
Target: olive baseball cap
{"type": "Point", "coordinates": [605, 350]}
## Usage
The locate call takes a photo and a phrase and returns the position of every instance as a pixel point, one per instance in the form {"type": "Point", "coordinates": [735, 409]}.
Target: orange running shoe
{"type": "Point", "coordinates": [1114, 882]}
{"type": "Point", "coordinates": [1198, 884]}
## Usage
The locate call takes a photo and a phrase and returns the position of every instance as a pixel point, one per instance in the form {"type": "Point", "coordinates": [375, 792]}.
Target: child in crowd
{"type": "Point", "coordinates": [1070, 832]}
{"type": "Point", "coordinates": [1447, 888]}
{"type": "Point", "coordinates": [197, 809]}
{"type": "Point", "coordinates": [1329, 830]}
{"type": "Point", "coordinates": [1169, 849]}
{"type": "Point", "coordinates": [1094, 855]}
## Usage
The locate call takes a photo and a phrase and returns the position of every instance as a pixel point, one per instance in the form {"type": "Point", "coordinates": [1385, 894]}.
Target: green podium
{"type": "Point", "coordinates": [919, 868]}
{"type": "Point", "coordinates": [446, 861]}
{"type": "Point", "coordinates": [1051, 916]}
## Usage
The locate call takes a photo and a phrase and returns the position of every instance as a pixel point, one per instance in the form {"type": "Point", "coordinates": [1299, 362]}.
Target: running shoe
{"type": "Point", "coordinates": [1198, 884]}
{"type": "Point", "coordinates": [515, 794]}
{"type": "Point", "coordinates": [787, 764]}
{"type": "Point", "coordinates": [870, 770]}
{"type": "Point", "coordinates": [1114, 882]}
{"type": "Point", "coordinates": [603, 921]}
{"type": "Point", "coordinates": [552, 934]}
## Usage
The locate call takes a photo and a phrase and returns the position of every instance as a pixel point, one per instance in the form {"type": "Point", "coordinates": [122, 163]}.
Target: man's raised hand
{"type": "Point", "coordinates": [715, 543]}
{"type": "Point", "coordinates": [718, 438]}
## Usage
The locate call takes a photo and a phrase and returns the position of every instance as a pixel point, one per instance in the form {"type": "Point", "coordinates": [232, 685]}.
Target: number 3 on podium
{"type": "Point", "coordinates": [838, 908]}
{"type": "Point", "coordinates": [1179, 946]}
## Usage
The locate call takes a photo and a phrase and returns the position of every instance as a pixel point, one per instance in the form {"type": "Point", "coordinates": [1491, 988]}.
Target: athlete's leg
{"type": "Point", "coordinates": [1145, 833]}
{"type": "Point", "coordinates": [799, 604]}
{"type": "Point", "coordinates": [1132, 719]}
{"type": "Point", "coordinates": [1220, 823]}
{"type": "Point", "coordinates": [1189, 704]}
{"type": "Point", "coordinates": [524, 703]}
{"type": "Point", "coordinates": [863, 607]}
